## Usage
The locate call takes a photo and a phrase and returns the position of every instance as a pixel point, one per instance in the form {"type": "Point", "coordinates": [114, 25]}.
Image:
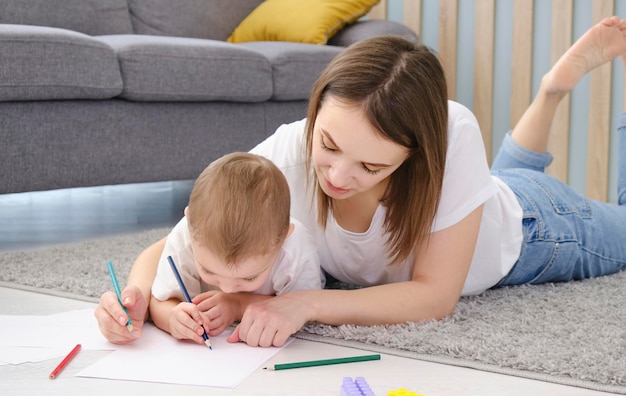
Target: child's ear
{"type": "Point", "coordinates": [186, 209]}
{"type": "Point", "coordinates": [291, 227]}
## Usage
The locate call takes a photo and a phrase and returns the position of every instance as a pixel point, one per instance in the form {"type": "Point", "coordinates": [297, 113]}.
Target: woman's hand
{"type": "Point", "coordinates": [271, 322]}
{"type": "Point", "coordinates": [112, 319]}
{"type": "Point", "coordinates": [219, 309]}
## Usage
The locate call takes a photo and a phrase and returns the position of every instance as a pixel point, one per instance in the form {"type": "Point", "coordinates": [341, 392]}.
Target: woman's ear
{"type": "Point", "coordinates": [186, 210]}
{"type": "Point", "coordinates": [291, 228]}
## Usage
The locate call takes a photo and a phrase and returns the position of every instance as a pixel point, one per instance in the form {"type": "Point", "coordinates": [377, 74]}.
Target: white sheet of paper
{"type": "Point", "coordinates": [63, 330]}
{"type": "Point", "coordinates": [158, 357]}
{"type": "Point", "coordinates": [155, 357]}
{"type": "Point", "coordinates": [19, 355]}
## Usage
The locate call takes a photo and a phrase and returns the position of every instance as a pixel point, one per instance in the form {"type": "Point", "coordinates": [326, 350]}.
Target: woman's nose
{"type": "Point", "coordinates": [339, 174]}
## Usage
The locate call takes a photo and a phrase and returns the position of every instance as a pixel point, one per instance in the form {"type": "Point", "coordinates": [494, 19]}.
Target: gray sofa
{"type": "Point", "coordinates": [96, 92]}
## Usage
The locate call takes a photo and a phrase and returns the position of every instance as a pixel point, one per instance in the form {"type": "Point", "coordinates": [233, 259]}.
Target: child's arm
{"type": "Point", "coordinates": [181, 319]}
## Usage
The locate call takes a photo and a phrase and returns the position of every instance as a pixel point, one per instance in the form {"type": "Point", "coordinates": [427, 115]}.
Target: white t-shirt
{"type": "Point", "coordinates": [297, 266]}
{"type": "Point", "coordinates": [362, 258]}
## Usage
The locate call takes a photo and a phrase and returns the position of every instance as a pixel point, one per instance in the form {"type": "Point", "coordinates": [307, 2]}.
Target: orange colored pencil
{"type": "Point", "coordinates": [64, 362]}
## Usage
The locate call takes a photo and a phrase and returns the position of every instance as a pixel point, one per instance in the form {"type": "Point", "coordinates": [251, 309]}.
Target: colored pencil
{"type": "Point", "coordinates": [205, 336]}
{"type": "Point", "coordinates": [313, 363]}
{"type": "Point", "coordinates": [116, 286]}
{"type": "Point", "coordinates": [64, 362]}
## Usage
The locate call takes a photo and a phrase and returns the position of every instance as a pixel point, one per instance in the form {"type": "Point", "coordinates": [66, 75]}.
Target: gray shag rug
{"type": "Point", "coordinates": [568, 333]}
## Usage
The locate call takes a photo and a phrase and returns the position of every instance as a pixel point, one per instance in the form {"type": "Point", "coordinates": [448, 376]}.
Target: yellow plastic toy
{"type": "Point", "coordinates": [403, 392]}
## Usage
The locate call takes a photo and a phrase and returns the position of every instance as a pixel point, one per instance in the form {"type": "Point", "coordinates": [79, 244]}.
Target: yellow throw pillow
{"type": "Point", "coordinates": [304, 21]}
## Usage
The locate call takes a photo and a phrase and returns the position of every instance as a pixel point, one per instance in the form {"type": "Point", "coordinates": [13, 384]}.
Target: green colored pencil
{"type": "Point", "coordinates": [116, 286]}
{"type": "Point", "coordinates": [313, 363]}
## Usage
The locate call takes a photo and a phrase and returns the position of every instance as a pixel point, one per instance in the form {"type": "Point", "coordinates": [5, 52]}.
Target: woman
{"type": "Point", "coordinates": [393, 181]}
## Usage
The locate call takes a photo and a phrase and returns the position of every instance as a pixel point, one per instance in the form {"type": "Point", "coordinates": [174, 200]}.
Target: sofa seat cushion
{"type": "Point", "coordinates": [295, 66]}
{"type": "Point", "coordinates": [41, 63]}
{"type": "Point", "coordinates": [158, 68]}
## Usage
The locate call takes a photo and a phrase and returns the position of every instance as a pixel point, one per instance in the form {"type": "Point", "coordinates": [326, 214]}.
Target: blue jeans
{"type": "Point", "coordinates": [566, 236]}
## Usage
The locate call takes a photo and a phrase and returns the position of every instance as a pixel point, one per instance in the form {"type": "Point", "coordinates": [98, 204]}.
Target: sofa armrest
{"type": "Point", "coordinates": [370, 28]}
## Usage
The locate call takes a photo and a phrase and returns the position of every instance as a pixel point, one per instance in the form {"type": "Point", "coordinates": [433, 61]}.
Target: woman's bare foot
{"type": "Point", "coordinates": [600, 44]}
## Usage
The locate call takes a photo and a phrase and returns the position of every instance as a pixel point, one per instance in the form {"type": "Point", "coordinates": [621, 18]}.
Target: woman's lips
{"type": "Point", "coordinates": [335, 189]}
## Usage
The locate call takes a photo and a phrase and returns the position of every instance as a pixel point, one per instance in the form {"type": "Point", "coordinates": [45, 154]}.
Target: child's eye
{"type": "Point", "coordinates": [252, 279]}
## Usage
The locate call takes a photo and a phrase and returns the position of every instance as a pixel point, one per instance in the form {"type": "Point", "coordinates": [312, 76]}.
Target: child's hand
{"type": "Point", "coordinates": [219, 310]}
{"type": "Point", "coordinates": [186, 322]}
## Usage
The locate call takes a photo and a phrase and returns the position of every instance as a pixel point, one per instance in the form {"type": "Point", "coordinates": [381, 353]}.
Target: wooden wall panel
{"type": "Point", "coordinates": [558, 145]}
{"type": "Point", "coordinates": [599, 118]}
{"type": "Point", "coordinates": [412, 15]}
{"type": "Point", "coordinates": [522, 59]}
{"type": "Point", "coordinates": [448, 14]}
{"type": "Point", "coordinates": [483, 69]}
{"type": "Point", "coordinates": [379, 11]}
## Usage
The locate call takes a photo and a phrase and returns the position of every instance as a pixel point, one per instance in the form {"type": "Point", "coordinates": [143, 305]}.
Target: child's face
{"type": "Point", "coordinates": [247, 275]}
{"type": "Point", "coordinates": [349, 155]}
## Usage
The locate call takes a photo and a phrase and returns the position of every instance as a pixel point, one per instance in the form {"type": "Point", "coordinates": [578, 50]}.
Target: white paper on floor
{"type": "Point", "coordinates": [155, 357]}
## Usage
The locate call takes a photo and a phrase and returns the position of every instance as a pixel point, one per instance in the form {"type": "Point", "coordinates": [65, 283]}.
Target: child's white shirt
{"type": "Point", "coordinates": [297, 266]}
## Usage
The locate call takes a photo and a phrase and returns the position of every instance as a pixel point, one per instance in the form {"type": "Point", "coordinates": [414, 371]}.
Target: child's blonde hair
{"type": "Point", "coordinates": [239, 207]}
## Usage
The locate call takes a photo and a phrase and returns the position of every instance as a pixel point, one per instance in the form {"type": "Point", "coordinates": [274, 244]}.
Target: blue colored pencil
{"type": "Point", "coordinates": [205, 336]}
{"type": "Point", "coordinates": [116, 286]}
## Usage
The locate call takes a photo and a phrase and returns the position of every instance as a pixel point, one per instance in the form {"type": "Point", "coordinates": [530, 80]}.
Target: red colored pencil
{"type": "Point", "coordinates": [64, 362]}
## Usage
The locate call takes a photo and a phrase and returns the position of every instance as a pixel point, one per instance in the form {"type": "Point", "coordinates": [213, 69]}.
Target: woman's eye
{"type": "Point", "coordinates": [325, 147]}
{"type": "Point", "coordinates": [369, 171]}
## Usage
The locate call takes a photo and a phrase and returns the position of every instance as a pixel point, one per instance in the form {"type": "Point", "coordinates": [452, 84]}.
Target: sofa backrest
{"type": "Point", "coordinates": [207, 19]}
{"type": "Point", "coordinates": [93, 17]}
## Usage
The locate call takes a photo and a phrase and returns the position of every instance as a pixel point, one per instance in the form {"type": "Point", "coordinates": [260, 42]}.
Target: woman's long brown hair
{"type": "Point", "coordinates": [401, 87]}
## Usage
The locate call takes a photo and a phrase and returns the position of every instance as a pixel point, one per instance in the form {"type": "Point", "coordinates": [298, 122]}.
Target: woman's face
{"type": "Point", "coordinates": [349, 155]}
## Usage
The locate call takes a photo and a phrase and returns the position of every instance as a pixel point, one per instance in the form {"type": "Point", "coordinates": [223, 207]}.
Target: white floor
{"type": "Point", "coordinates": [389, 373]}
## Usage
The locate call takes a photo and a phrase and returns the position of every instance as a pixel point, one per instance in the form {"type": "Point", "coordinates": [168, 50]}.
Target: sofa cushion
{"type": "Point", "coordinates": [91, 17]}
{"type": "Point", "coordinates": [305, 21]}
{"type": "Point", "coordinates": [295, 66]}
{"type": "Point", "coordinates": [215, 19]}
{"type": "Point", "coordinates": [40, 63]}
{"type": "Point", "coordinates": [157, 68]}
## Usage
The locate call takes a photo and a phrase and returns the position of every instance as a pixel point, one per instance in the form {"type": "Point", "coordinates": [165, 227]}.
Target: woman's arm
{"type": "Point", "coordinates": [441, 267]}
{"type": "Point", "coordinates": [143, 271]}
{"type": "Point", "coordinates": [135, 297]}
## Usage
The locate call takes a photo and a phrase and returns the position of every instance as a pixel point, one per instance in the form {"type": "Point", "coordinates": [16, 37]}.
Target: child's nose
{"type": "Point", "coordinates": [228, 287]}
